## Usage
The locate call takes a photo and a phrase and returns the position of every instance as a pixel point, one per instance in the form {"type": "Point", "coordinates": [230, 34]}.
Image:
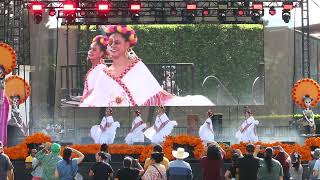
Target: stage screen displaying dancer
{"type": "Point", "coordinates": [185, 67]}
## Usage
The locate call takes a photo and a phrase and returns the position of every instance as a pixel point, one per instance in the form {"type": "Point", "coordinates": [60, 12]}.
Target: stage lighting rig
{"type": "Point", "coordinates": [272, 11]}
{"type": "Point", "coordinates": [286, 15]}
{"type": "Point", "coordinates": [257, 11]}
{"type": "Point", "coordinates": [37, 10]}
{"type": "Point", "coordinates": [70, 11]}
{"type": "Point", "coordinates": [135, 10]}
{"type": "Point", "coordinates": [103, 8]}
{"type": "Point", "coordinates": [205, 11]}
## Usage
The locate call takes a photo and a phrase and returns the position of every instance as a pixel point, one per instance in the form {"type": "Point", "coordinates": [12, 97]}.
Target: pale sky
{"type": "Point", "coordinates": [276, 20]}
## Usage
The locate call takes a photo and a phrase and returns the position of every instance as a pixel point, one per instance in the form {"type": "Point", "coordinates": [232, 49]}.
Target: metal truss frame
{"type": "Point", "coordinates": [155, 12]}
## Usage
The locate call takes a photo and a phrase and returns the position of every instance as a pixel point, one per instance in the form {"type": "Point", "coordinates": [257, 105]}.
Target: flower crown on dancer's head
{"type": "Point", "coordinates": [126, 31]}
{"type": "Point", "coordinates": [210, 113]}
{"type": "Point", "coordinates": [102, 40]}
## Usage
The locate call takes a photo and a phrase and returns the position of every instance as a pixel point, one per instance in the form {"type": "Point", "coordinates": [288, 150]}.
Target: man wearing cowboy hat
{"type": "Point", "coordinates": [179, 169]}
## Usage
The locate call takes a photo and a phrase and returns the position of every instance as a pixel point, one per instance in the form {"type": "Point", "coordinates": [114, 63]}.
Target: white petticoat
{"type": "Point", "coordinates": [158, 138]}
{"type": "Point", "coordinates": [136, 136]}
{"type": "Point", "coordinates": [205, 134]}
{"type": "Point", "coordinates": [107, 136]}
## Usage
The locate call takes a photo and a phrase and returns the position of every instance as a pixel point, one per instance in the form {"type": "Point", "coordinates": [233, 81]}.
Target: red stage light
{"type": "Point", "coordinates": [272, 11]}
{"type": "Point", "coordinates": [52, 12]}
{"type": "Point", "coordinates": [240, 12]}
{"type": "Point", "coordinates": [103, 7]}
{"type": "Point", "coordinates": [205, 12]}
{"type": "Point", "coordinates": [191, 6]}
{"type": "Point", "coordinates": [83, 13]}
{"type": "Point", "coordinates": [257, 6]}
{"type": "Point", "coordinates": [287, 6]}
{"type": "Point", "coordinates": [135, 7]}
{"type": "Point", "coordinates": [69, 6]}
{"type": "Point", "coordinates": [36, 7]}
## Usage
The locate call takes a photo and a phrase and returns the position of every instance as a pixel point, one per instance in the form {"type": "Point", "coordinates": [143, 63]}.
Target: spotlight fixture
{"type": "Point", "coordinates": [286, 16]}
{"type": "Point", "coordinates": [52, 12]}
{"type": "Point", "coordinates": [240, 12]}
{"type": "Point", "coordinates": [222, 15]}
{"type": "Point", "coordinates": [37, 10]}
{"type": "Point", "coordinates": [103, 8]}
{"type": "Point", "coordinates": [192, 6]}
{"type": "Point", "coordinates": [69, 11]}
{"type": "Point", "coordinates": [255, 16]}
{"type": "Point", "coordinates": [272, 11]}
{"type": "Point", "coordinates": [205, 11]}
{"type": "Point", "coordinates": [135, 9]}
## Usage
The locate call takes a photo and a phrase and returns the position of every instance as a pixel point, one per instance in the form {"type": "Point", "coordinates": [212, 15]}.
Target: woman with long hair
{"type": "Point", "coordinates": [212, 163]}
{"type": "Point", "coordinates": [270, 169]}
{"type": "Point", "coordinates": [67, 168]}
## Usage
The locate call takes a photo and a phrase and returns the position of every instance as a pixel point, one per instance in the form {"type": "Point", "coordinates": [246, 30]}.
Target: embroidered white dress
{"type": "Point", "coordinates": [136, 133]}
{"type": "Point", "coordinates": [206, 132]}
{"type": "Point", "coordinates": [249, 132]}
{"type": "Point", "coordinates": [91, 79]}
{"type": "Point", "coordinates": [166, 126]}
{"type": "Point", "coordinates": [107, 136]}
{"type": "Point", "coordinates": [136, 86]}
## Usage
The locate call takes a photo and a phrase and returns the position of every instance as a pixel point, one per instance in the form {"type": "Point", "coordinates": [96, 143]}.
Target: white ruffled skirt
{"type": "Point", "coordinates": [107, 136]}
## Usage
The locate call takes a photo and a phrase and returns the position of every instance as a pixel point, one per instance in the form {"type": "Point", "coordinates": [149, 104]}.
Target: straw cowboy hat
{"type": "Point", "coordinates": [180, 153]}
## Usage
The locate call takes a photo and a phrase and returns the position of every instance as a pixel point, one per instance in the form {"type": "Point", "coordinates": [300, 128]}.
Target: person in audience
{"type": "Point", "coordinates": [37, 167]}
{"type": "Point", "coordinates": [316, 170]}
{"type": "Point", "coordinates": [285, 161]}
{"type": "Point", "coordinates": [104, 148]}
{"type": "Point", "coordinates": [49, 157]}
{"type": "Point", "coordinates": [28, 162]}
{"type": "Point", "coordinates": [6, 167]}
{"type": "Point", "coordinates": [270, 169]}
{"type": "Point", "coordinates": [67, 168]}
{"type": "Point", "coordinates": [249, 163]}
{"type": "Point", "coordinates": [296, 170]}
{"type": "Point", "coordinates": [101, 170]}
{"type": "Point", "coordinates": [127, 172]}
{"type": "Point", "coordinates": [232, 173]}
{"type": "Point", "coordinates": [179, 169]}
{"type": "Point", "coordinates": [162, 127]}
{"type": "Point", "coordinates": [106, 131]}
{"type": "Point", "coordinates": [315, 156]}
{"type": "Point", "coordinates": [150, 161]}
{"type": "Point", "coordinates": [212, 163]}
{"type": "Point", "coordinates": [247, 131]}
{"type": "Point", "coordinates": [156, 171]}
{"type": "Point", "coordinates": [206, 132]}
{"type": "Point", "coordinates": [136, 132]}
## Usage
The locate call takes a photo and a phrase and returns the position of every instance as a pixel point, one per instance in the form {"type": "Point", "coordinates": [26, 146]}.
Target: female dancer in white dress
{"type": "Point", "coordinates": [106, 131]}
{"type": "Point", "coordinates": [136, 133]}
{"type": "Point", "coordinates": [206, 132]}
{"type": "Point", "coordinates": [128, 82]}
{"type": "Point", "coordinates": [162, 127]}
{"type": "Point", "coordinates": [98, 50]}
{"type": "Point", "coordinates": [248, 131]}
